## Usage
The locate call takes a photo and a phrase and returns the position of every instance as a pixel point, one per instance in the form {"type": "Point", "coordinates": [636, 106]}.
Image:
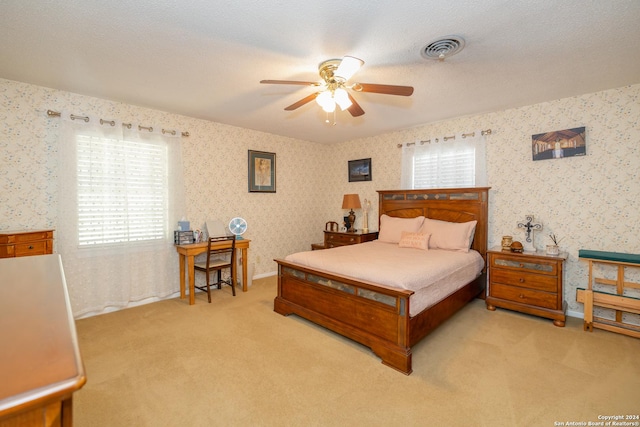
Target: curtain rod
{"type": "Point", "coordinates": [52, 113]}
{"type": "Point", "coordinates": [446, 138]}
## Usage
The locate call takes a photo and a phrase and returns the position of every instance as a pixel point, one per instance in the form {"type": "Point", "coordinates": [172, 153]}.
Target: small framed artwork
{"type": "Point", "coordinates": [262, 172]}
{"type": "Point", "coordinates": [360, 170]}
{"type": "Point", "coordinates": [559, 144]}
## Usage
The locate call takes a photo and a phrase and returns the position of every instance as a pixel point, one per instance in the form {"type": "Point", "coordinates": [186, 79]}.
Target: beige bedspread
{"type": "Point", "coordinates": [432, 274]}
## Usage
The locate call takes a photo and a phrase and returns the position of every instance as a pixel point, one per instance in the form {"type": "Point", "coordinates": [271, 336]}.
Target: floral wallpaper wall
{"type": "Point", "coordinates": [591, 202]}
{"type": "Point", "coordinates": [215, 167]}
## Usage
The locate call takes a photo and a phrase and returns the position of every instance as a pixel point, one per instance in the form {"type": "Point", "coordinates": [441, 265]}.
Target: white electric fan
{"type": "Point", "coordinates": [238, 226]}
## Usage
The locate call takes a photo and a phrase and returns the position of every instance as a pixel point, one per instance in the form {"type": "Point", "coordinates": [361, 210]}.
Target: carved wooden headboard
{"type": "Point", "coordinates": [449, 204]}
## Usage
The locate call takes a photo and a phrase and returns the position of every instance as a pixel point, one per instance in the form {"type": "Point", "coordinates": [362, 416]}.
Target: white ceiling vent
{"type": "Point", "coordinates": [443, 48]}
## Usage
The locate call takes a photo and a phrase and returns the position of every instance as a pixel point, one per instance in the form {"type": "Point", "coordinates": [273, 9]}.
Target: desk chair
{"type": "Point", "coordinates": [219, 259]}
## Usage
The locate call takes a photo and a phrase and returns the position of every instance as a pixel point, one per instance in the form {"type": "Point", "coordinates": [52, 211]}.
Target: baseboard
{"type": "Point", "coordinates": [263, 275]}
{"type": "Point", "coordinates": [576, 314]}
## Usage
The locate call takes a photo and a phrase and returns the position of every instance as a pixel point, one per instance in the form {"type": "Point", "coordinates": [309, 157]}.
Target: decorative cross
{"type": "Point", "coordinates": [529, 226]}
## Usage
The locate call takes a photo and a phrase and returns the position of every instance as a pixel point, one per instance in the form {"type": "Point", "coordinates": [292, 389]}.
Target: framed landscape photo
{"type": "Point", "coordinates": [360, 170]}
{"type": "Point", "coordinates": [262, 172]}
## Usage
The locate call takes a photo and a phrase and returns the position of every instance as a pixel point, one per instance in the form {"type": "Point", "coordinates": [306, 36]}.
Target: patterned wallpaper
{"type": "Point", "coordinates": [591, 202]}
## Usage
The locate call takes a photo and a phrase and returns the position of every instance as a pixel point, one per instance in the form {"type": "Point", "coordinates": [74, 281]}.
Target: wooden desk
{"type": "Point", "coordinates": [40, 364]}
{"type": "Point", "coordinates": [189, 252]}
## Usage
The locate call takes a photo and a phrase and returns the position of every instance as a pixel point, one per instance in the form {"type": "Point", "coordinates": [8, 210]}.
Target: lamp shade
{"type": "Point", "coordinates": [342, 98]}
{"type": "Point", "coordinates": [351, 201]}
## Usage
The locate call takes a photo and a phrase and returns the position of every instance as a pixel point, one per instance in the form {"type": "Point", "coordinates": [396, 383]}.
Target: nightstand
{"type": "Point", "coordinates": [337, 238]}
{"type": "Point", "coordinates": [529, 282]}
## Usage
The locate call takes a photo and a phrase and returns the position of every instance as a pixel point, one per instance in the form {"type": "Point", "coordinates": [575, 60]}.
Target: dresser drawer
{"type": "Point", "coordinates": [538, 266]}
{"type": "Point", "coordinates": [26, 243]}
{"type": "Point", "coordinates": [34, 248]}
{"type": "Point", "coordinates": [523, 279]}
{"type": "Point", "coordinates": [524, 296]}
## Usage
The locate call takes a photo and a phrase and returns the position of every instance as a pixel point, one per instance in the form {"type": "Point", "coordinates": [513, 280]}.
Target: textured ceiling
{"type": "Point", "coordinates": [205, 58]}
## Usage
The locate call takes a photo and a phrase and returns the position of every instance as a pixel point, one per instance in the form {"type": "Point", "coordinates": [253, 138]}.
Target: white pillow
{"type": "Point", "coordinates": [414, 240]}
{"type": "Point", "coordinates": [391, 228]}
{"type": "Point", "coordinates": [455, 236]}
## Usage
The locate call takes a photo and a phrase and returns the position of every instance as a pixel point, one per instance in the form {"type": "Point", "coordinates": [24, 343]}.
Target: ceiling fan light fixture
{"type": "Point", "coordinates": [342, 98]}
{"type": "Point", "coordinates": [326, 101]}
{"type": "Point", "coordinates": [348, 67]}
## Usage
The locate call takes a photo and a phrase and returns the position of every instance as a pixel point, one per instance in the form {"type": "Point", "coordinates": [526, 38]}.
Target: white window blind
{"type": "Point", "coordinates": [122, 191]}
{"type": "Point", "coordinates": [445, 170]}
{"type": "Point", "coordinates": [458, 163]}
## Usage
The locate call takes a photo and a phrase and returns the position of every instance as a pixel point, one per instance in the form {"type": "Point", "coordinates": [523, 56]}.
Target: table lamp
{"type": "Point", "coordinates": [351, 201]}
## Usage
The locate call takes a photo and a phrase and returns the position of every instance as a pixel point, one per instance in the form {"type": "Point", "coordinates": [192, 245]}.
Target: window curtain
{"type": "Point", "coordinates": [108, 277]}
{"type": "Point", "coordinates": [445, 162]}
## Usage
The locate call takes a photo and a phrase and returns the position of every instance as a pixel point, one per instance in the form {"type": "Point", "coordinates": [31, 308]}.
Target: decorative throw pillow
{"type": "Point", "coordinates": [391, 228]}
{"type": "Point", "coordinates": [455, 236]}
{"type": "Point", "coordinates": [414, 240]}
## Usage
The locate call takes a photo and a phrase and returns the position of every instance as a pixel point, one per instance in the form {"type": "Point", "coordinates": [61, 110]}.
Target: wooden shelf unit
{"type": "Point", "coordinates": [614, 299]}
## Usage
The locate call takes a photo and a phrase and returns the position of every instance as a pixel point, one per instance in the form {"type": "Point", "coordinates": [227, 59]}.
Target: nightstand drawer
{"type": "Point", "coordinates": [525, 280]}
{"type": "Point", "coordinates": [524, 264]}
{"type": "Point", "coordinates": [342, 239]}
{"type": "Point", "coordinates": [524, 296]}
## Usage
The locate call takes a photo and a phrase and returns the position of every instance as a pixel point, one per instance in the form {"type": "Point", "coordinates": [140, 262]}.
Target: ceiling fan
{"type": "Point", "coordinates": [334, 89]}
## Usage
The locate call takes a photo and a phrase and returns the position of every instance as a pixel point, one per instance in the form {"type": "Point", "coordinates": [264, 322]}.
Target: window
{"type": "Point", "coordinates": [122, 194]}
{"type": "Point", "coordinates": [444, 170]}
{"type": "Point", "coordinates": [456, 164]}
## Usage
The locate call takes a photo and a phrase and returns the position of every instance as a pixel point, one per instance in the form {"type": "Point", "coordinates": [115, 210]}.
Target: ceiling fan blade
{"type": "Point", "coordinates": [355, 109]}
{"type": "Point", "coordinates": [303, 101]}
{"type": "Point", "coordinates": [384, 89]}
{"type": "Point", "coordinates": [348, 67]}
{"type": "Point", "coordinates": [289, 82]}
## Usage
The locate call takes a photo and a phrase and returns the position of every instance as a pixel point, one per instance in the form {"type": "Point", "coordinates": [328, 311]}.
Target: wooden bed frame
{"type": "Point", "coordinates": [375, 315]}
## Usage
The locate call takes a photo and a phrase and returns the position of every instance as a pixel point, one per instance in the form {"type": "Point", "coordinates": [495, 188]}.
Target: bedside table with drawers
{"type": "Point", "coordinates": [529, 282]}
{"type": "Point", "coordinates": [338, 238]}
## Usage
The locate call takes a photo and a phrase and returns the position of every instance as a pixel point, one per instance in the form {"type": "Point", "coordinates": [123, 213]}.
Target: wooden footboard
{"type": "Point", "coordinates": [373, 315]}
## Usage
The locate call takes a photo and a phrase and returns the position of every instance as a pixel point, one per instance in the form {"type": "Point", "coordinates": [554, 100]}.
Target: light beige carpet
{"type": "Point", "coordinates": [235, 362]}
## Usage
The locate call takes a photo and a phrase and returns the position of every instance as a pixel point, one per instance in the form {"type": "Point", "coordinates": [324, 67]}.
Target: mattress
{"type": "Point", "coordinates": [432, 275]}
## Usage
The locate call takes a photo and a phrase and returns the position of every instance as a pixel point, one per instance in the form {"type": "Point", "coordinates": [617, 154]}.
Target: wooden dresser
{"type": "Point", "coordinates": [527, 282]}
{"type": "Point", "coordinates": [25, 243]}
{"type": "Point", "coordinates": [338, 238]}
{"type": "Point", "coordinates": [40, 363]}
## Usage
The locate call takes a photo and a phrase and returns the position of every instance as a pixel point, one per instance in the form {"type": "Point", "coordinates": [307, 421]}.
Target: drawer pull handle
{"type": "Point", "coordinates": [521, 280]}
{"type": "Point", "coordinates": [521, 296]}
{"type": "Point", "coordinates": [30, 247]}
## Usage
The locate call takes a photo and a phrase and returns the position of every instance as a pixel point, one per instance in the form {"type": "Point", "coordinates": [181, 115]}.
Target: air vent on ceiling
{"type": "Point", "coordinates": [443, 48]}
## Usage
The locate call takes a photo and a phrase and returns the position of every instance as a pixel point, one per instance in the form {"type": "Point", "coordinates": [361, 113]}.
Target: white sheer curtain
{"type": "Point", "coordinates": [104, 277]}
{"type": "Point", "coordinates": [446, 161]}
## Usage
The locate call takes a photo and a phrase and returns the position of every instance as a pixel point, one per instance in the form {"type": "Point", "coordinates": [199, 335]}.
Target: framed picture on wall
{"type": "Point", "coordinates": [360, 170]}
{"type": "Point", "coordinates": [559, 144]}
{"type": "Point", "coordinates": [262, 172]}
